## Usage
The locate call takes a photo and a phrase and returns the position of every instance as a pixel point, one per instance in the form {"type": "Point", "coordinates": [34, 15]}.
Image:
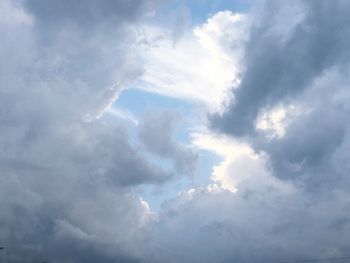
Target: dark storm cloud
{"type": "Point", "coordinates": [156, 133]}
{"type": "Point", "coordinates": [297, 54]}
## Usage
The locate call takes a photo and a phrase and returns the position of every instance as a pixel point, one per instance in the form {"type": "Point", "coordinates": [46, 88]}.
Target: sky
{"type": "Point", "coordinates": [153, 131]}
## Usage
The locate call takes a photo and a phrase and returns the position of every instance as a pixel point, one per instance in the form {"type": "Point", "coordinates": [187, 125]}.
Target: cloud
{"type": "Point", "coordinates": [199, 68]}
{"type": "Point", "coordinates": [250, 215]}
{"type": "Point", "coordinates": [285, 149]}
{"type": "Point", "coordinates": [66, 170]}
{"type": "Point", "coordinates": [80, 43]}
{"type": "Point", "coordinates": [89, 16]}
{"type": "Point", "coordinates": [123, 114]}
{"type": "Point", "coordinates": [240, 167]}
{"type": "Point", "coordinates": [84, 220]}
{"type": "Point", "coordinates": [182, 22]}
{"type": "Point", "coordinates": [282, 61]}
{"type": "Point", "coordinates": [70, 175]}
{"type": "Point", "coordinates": [291, 64]}
{"type": "Point", "coordinates": [156, 134]}
{"type": "Point", "coordinates": [260, 225]}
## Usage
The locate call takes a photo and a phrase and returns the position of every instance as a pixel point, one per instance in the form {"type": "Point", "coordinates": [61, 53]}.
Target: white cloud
{"type": "Point", "coordinates": [203, 65]}
{"type": "Point", "coordinates": [275, 121]}
{"type": "Point", "coordinates": [241, 167]}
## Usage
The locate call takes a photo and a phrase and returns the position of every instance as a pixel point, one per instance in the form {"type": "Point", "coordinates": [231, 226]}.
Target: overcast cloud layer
{"type": "Point", "coordinates": [70, 174]}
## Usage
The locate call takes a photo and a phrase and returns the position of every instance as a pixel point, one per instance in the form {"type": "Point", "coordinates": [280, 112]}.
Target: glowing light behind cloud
{"type": "Point", "coordinates": [203, 65]}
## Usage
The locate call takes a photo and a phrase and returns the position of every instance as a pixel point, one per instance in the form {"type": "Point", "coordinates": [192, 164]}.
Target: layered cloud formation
{"type": "Point", "coordinates": [277, 78]}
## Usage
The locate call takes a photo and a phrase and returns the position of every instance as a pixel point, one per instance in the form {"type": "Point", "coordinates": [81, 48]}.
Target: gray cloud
{"type": "Point", "coordinates": [264, 225]}
{"type": "Point", "coordinates": [156, 133]}
{"type": "Point", "coordinates": [66, 178]}
{"type": "Point", "coordinates": [281, 62]}
{"type": "Point", "coordinates": [87, 14]}
{"type": "Point", "coordinates": [297, 54]}
{"type": "Point", "coordinates": [306, 151]}
{"type": "Point", "coordinates": [81, 221]}
{"type": "Point", "coordinates": [65, 175]}
{"type": "Point", "coordinates": [182, 22]}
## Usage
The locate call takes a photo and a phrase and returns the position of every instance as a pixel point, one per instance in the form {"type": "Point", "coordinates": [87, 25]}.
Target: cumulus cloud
{"type": "Point", "coordinates": [240, 165]}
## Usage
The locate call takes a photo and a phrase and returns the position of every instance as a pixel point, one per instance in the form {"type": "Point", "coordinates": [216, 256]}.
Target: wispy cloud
{"type": "Point", "coordinates": [202, 66]}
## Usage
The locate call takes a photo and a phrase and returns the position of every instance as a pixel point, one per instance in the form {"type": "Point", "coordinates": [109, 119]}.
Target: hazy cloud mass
{"type": "Point", "coordinates": [174, 131]}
